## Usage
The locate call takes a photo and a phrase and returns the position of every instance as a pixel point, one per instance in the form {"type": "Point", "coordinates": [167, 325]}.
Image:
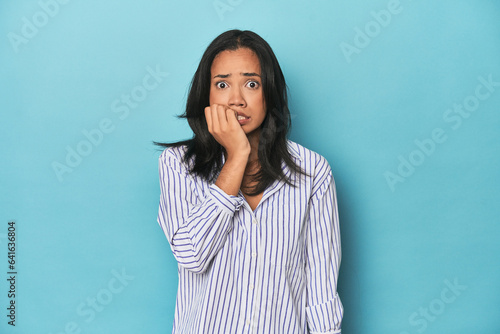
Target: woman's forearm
{"type": "Point", "coordinates": [231, 175]}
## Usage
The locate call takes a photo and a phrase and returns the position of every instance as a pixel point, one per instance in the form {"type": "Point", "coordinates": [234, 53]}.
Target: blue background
{"type": "Point", "coordinates": [403, 245]}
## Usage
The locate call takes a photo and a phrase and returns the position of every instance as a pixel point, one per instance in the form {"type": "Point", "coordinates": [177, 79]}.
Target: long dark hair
{"type": "Point", "coordinates": [207, 152]}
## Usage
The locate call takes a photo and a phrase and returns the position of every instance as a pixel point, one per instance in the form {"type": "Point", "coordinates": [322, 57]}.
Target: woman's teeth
{"type": "Point", "coordinates": [242, 117]}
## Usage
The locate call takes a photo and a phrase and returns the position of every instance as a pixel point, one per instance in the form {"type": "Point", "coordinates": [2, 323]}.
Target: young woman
{"type": "Point", "coordinates": [251, 216]}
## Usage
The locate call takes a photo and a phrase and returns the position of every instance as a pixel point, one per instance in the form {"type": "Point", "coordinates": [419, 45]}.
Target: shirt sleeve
{"type": "Point", "coordinates": [324, 310]}
{"type": "Point", "coordinates": [195, 227]}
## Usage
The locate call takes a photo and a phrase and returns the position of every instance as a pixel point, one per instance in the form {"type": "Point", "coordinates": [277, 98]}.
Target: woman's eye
{"type": "Point", "coordinates": [253, 84]}
{"type": "Point", "coordinates": [221, 85]}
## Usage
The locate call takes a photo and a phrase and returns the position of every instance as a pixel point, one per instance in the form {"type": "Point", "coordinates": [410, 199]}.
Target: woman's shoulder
{"type": "Point", "coordinates": [175, 152]}
{"type": "Point", "coordinates": [173, 157]}
{"type": "Point", "coordinates": [311, 161]}
{"type": "Point", "coordinates": [315, 165]}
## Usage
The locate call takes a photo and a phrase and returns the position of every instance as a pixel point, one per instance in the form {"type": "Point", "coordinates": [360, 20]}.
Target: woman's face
{"type": "Point", "coordinates": [236, 82]}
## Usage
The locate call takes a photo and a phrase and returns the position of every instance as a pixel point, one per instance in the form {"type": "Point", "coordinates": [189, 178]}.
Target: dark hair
{"type": "Point", "coordinates": [207, 152]}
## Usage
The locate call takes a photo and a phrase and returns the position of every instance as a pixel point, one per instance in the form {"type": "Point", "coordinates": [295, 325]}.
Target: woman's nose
{"type": "Point", "coordinates": [236, 98]}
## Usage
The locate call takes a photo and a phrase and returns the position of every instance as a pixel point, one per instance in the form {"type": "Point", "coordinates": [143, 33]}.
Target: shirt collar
{"type": "Point", "coordinates": [293, 151]}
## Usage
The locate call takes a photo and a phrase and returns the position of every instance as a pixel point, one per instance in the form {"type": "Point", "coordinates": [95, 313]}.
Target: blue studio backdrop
{"type": "Point", "coordinates": [402, 97]}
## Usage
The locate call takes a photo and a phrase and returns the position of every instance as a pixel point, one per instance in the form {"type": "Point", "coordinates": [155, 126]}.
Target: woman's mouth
{"type": "Point", "coordinates": [243, 120]}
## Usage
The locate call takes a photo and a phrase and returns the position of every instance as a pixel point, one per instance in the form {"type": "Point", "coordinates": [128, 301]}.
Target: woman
{"type": "Point", "coordinates": [251, 216]}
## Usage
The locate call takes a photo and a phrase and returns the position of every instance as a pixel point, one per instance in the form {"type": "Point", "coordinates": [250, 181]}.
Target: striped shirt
{"type": "Point", "coordinates": [269, 270]}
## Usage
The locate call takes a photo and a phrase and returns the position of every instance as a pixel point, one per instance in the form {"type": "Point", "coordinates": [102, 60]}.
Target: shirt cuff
{"type": "Point", "coordinates": [325, 318]}
{"type": "Point", "coordinates": [228, 203]}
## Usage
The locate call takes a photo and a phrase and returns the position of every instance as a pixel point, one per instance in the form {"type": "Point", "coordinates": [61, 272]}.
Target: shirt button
{"type": "Point", "coordinates": [254, 221]}
{"type": "Point", "coordinates": [254, 254]}
{"type": "Point", "coordinates": [251, 287]}
{"type": "Point", "coordinates": [248, 322]}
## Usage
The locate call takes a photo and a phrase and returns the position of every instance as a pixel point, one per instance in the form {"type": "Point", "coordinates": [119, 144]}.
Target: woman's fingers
{"type": "Point", "coordinates": [208, 117]}
{"type": "Point", "coordinates": [222, 115]}
{"type": "Point", "coordinates": [223, 125]}
{"type": "Point", "coordinates": [216, 121]}
{"type": "Point", "coordinates": [218, 118]}
{"type": "Point", "coordinates": [230, 119]}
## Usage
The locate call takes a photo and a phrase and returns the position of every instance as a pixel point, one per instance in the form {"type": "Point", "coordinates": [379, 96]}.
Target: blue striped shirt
{"type": "Point", "coordinates": [272, 270]}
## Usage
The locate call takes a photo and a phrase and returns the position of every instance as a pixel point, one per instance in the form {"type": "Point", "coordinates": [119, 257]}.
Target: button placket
{"type": "Point", "coordinates": [255, 263]}
{"type": "Point", "coordinates": [253, 254]}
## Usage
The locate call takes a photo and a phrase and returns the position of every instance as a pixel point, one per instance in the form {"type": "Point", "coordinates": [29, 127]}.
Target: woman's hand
{"type": "Point", "coordinates": [224, 126]}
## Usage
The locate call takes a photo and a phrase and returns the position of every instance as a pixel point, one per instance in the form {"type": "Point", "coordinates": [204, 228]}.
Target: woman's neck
{"type": "Point", "coordinates": [253, 139]}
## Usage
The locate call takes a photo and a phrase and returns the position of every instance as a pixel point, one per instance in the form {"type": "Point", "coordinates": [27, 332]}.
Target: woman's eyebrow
{"type": "Point", "coordinates": [251, 74]}
{"type": "Point", "coordinates": [245, 74]}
